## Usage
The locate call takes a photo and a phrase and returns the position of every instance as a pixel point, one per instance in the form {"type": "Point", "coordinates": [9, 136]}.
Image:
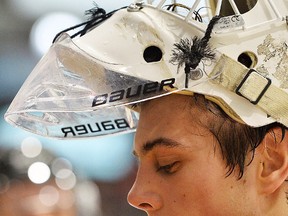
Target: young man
{"type": "Point", "coordinates": [195, 160]}
{"type": "Point", "coordinates": [210, 84]}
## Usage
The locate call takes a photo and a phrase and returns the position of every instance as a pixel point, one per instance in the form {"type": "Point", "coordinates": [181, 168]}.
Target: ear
{"type": "Point", "coordinates": [274, 161]}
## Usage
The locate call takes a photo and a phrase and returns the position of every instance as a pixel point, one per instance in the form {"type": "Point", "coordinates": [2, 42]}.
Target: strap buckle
{"type": "Point", "coordinates": [253, 86]}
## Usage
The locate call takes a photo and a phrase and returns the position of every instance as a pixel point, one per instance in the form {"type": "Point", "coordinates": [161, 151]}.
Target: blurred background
{"type": "Point", "coordinates": [39, 176]}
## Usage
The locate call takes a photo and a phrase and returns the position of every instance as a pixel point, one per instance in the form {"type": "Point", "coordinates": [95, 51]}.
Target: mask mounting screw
{"type": "Point", "coordinates": [136, 6]}
{"type": "Point", "coordinates": [196, 74]}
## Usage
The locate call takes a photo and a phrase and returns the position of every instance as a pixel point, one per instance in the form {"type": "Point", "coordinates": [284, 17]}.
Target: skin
{"type": "Point", "coordinates": [182, 172]}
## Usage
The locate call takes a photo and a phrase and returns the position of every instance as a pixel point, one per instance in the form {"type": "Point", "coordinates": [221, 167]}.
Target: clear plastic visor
{"type": "Point", "coordinates": [66, 93]}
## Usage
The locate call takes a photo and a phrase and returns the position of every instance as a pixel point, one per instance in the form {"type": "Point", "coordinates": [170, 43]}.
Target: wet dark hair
{"type": "Point", "coordinates": [235, 139]}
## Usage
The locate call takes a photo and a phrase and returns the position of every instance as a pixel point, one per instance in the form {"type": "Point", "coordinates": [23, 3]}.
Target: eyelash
{"type": "Point", "coordinates": [167, 169]}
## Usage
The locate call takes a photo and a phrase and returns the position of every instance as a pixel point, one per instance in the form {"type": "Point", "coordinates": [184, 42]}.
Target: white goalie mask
{"type": "Point", "coordinates": [233, 52]}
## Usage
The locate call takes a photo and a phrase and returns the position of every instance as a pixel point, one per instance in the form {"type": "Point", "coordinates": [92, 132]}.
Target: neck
{"type": "Point", "coordinates": [275, 204]}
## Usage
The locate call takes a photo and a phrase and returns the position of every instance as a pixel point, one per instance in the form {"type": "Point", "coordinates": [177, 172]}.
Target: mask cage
{"type": "Point", "coordinates": [269, 11]}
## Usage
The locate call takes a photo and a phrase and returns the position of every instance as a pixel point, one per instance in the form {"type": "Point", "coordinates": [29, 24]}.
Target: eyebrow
{"type": "Point", "coordinates": [162, 141]}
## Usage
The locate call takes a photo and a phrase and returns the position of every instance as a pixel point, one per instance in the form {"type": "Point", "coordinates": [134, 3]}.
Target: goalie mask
{"type": "Point", "coordinates": [233, 52]}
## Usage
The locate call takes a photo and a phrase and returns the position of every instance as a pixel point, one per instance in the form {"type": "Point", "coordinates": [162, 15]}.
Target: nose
{"type": "Point", "coordinates": [143, 195]}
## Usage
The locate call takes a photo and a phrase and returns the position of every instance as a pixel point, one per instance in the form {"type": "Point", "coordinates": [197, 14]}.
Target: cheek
{"type": "Point", "coordinates": [203, 185]}
{"type": "Point", "coordinates": [200, 184]}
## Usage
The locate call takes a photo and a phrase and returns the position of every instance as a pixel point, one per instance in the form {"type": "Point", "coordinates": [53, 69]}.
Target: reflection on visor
{"type": "Point", "coordinates": [76, 124]}
{"type": "Point", "coordinates": [65, 94]}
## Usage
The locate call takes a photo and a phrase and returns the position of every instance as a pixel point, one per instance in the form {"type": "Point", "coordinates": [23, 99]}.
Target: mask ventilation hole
{"type": "Point", "coordinates": [248, 59]}
{"type": "Point", "coordinates": [152, 54]}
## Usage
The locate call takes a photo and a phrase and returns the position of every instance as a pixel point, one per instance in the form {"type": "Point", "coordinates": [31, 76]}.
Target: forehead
{"type": "Point", "coordinates": [173, 107]}
{"type": "Point", "coordinates": [174, 117]}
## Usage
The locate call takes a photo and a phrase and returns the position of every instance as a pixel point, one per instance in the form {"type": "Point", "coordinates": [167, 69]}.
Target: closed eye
{"type": "Point", "coordinates": [169, 168]}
